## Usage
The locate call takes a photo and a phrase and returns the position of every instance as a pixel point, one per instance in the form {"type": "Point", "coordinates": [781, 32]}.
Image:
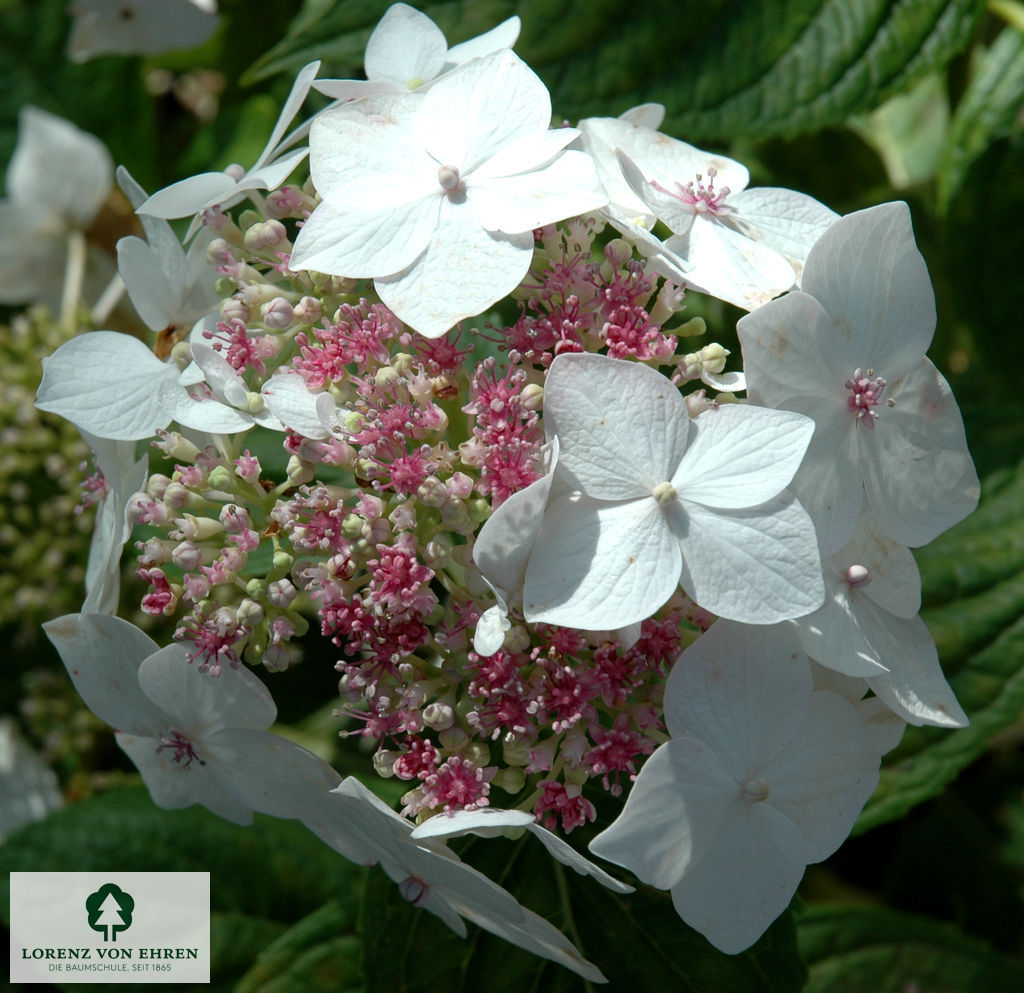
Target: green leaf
{"type": "Point", "coordinates": [853, 949]}
{"type": "Point", "coordinates": [637, 940]}
{"type": "Point", "coordinates": [770, 67]}
{"type": "Point", "coordinates": [909, 131]}
{"type": "Point", "coordinates": [989, 110]}
{"type": "Point", "coordinates": [973, 596]}
{"type": "Point", "coordinates": [320, 954]}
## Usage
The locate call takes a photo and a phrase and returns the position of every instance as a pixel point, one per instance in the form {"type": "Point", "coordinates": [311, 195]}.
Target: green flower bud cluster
{"type": "Point", "coordinates": [43, 542]}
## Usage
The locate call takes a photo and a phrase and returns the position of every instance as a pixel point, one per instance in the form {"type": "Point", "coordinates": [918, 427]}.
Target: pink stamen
{"type": "Point", "coordinates": [703, 199]}
{"type": "Point", "coordinates": [866, 392]}
{"type": "Point", "coordinates": [184, 752]}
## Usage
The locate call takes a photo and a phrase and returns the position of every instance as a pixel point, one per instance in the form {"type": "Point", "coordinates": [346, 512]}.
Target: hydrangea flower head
{"type": "Point", "coordinates": [57, 180]}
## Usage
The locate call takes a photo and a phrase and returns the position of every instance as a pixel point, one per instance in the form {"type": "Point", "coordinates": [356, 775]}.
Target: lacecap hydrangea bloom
{"type": "Point", "coordinates": [447, 413]}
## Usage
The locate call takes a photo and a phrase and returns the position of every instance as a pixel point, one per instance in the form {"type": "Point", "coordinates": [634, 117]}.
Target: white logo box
{"type": "Point", "coordinates": [110, 927]}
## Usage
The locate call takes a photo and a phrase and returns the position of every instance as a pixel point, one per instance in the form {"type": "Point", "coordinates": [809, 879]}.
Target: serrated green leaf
{"type": "Point", "coordinates": [973, 595]}
{"type": "Point", "coordinates": [853, 949]}
{"type": "Point", "coordinates": [989, 110]}
{"type": "Point", "coordinates": [637, 940]}
{"type": "Point", "coordinates": [320, 954]}
{"type": "Point", "coordinates": [771, 67]}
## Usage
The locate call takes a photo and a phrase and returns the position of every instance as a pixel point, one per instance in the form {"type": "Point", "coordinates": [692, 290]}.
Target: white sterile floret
{"type": "Point", "coordinates": [57, 180]}
{"type": "Point", "coordinates": [123, 476]}
{"type": "Point", "coordinates": [849, 351]}
{"type": "Point", "coordinates": [138, 27]}
{"type": "Point", "coordinates": [170, 289]}
{"type": "Point", "coordinates": [112, 386]}
{"type": "Point", "coordinates": [869, 627]}
{"type": "Point", "coordinates": [224, 189]}
{"type": "Point", "coordinates": [360, 826]}
{"type": "Point", "coordinates": [651, 500]}
{"type": "Point", "coordinates": [194, 737]}
{"type": "Point", "coordinates": [743, 246]}
{"type": "Point", "coordinates": [491, 822]}
{"type": "Point", "coordinates": [762, 777]}
{"type": "Point", "coordinates": [408, 50]}
{"type": "Point", "coordinates": [436, 195]}
{"type": "Point", "coordinates": [231, 407]}
{"type": "Point", "coordinates": [28, 786]}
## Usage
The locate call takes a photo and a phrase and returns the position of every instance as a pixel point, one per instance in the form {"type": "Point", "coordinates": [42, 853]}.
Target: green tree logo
{"type": "Point", "coordinates": [110, 910]}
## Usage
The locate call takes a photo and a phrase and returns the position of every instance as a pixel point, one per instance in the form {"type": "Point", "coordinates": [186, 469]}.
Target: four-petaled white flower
{"type": "Point", "coordinates": [407, 50]}
{"type": "Point", "coordinates": [195, 738]}
{"type": "Point", "coordinates": [436, 195]}
{"type": "Point", "coordinates": [869, 627]}
{"type": "Point", "coordinates": [762, 777]}
{"type": "Point", "coordinates": [360, 826]}
{"type": "Point", "coordinates": [848, 351]}
{"type": "Point", "coordinates": [650, 499]}
{"type": "Point", "coordinates": [28, 786]}
{"type": "Point", "coordinates": [138, 27]}
{"type": "Point", "coordinates": [113, 386]}
{"type": "Point", "coordinates": [170, 289]}
{"type": "Point", "coordinates": [743, 246]}
{"type": "Point", "coordinates": [57, 180]}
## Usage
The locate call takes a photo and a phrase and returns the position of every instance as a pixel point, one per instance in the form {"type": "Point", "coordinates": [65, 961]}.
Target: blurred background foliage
{"type": "Point", "coordinates": [853, 101]}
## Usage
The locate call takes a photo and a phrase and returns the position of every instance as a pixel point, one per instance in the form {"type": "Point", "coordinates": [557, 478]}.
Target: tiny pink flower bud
{"type": "Point", "coordinates": [175, 446]}
{"type": "Point", "coordinates": [460, 486]}
{"type": "Point", "coordinates": [249, 612]}
{"type": "Point", "coordinates": [384, 763]}
{"type": "Point", "coordinates": [281, 593]}
{"type": "Point", "coordinates": [195, 528]}
{"type": "Point", "coordinates": [277, 314]}
{"type": "Point", "coordinates": [187, 556]}
{"type": "Point", "coordinates": [618, 252]}
{"type": "Point", "coordinates": [308, 310]}
{"type": "Point", "coordinates": [235, 309]}
{"type": "Point", "coordinates": [220, 252]}
{"type": "Point", "coordinates": [299, 472]}
{"type": "Point", "coordinates": [438, 716]}
{"type": "Point", "coordinates": [532, 397]}
{"type": "Point", "coordinates": [698, 402]}
{"type": "Point", "coordinates": [858, 575]}
{"type": "Point", "coordinates": [234, 519]}
{"type": "Point", "coordinates": [264, 235]}
{"type": "Point", "coordinates": [285, 202]}
{"type": "Point", "coordinates": [432, 492]}
{"type": "Point", "coordinates": [156, 485]}
{"type": "Point", "coordinates": [175, 495]}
